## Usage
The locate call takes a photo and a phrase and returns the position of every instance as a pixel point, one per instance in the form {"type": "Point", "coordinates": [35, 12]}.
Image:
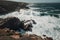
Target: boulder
{"type": "Point", "coordinates": [14, 23]}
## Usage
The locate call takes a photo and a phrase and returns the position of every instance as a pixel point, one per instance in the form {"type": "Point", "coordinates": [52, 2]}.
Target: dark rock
{"type": "Point", "coordinates": [29, 27]}
{"type": "Point", "coordinates": [48, 38]}
{"type": "Point", "coordinates": [44, 35]}
{"type": "Point", "coordinates": [57, 16]}
{"type": "Point", "coordinates": [34, 22]}
{"type": "Point", "coordinates": [13, 35]}
{"type": "Point", "coordinates": [43, 14]}
{"type": "Point", "coordinates": [9, 6]}
{"type": "Point", "coordinates": [14, 23]}
{"type": "Point", "coordinates": [31, 37]}
{"type": "Point", "coordinates": [26, 27]}
{"type": "Point", "coordinates": [10, 25]}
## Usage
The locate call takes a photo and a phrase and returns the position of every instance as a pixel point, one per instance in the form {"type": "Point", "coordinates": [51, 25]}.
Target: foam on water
{"type": "Point", "coordinates": [46, 25]}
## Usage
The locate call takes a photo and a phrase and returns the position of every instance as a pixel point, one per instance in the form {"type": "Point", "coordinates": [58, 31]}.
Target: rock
{"type": "Point", "coordinates": [17, 36]}
{"type": "Point", "coordinates": [14, 23]}
{"type": "Point", "coordinates": [31, 37]}
{"type": "Point", "coordinates": [57, 16]}
{"type": "Point", "coordinates": [43, 14]}
{"type": "Point", "coordinates": [34, 22]}
{"type": "Point", "coordinates": [6, 38]}
{"type": "Point", "coordinates": [11, 24]}
{"type": "Point", "coordinates": [34, 37]}
{"type": "Point", "coordinates": [28, 27]}
{"type": "Point", "coordinates": [48, 38]}
{"type": "Point", "coordinates": [10, 6]}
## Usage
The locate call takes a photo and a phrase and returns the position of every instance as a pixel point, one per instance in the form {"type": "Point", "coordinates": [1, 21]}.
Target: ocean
{"type": "Point", "coordinates": [46, 16]}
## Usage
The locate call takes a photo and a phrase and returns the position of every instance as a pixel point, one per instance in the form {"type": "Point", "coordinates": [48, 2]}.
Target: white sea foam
{"type": "Point", "coordinates": [46, 25]}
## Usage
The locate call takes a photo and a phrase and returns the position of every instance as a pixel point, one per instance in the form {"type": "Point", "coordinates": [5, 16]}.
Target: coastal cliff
{"type": "Point", "coordinates": [9, 6]}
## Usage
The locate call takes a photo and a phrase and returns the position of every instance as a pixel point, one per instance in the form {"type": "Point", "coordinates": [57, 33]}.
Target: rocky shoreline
{"type": "Point", "coordinates": [6, 34]}
{"type": "Point", "coordinates": [8, 27]}
{"type": "Point", "coordinates": [9, 6]}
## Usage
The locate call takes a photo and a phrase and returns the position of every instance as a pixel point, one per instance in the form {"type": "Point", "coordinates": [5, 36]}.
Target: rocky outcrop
{"type": "Point", "coordinates": [8, 27]}
{"type": "Point", "coordinates": [14, 23]}
{"type": "Point", "coordinates": [9, 6]}
{"type": "Point", "coordinates": [6, 34]}
{"type": "Point", "coordinates": [34, 37]}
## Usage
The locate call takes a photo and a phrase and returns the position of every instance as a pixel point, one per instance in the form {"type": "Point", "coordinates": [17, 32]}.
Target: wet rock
{"type": "Point", "coordinates": [9, 27]}
{"type": "Point", "coordinates": [43, 14]}
{"type": "Point", "coordinates": [31, 37]}
{"type": "Point", "coordinates": [57, 16]}
{"type": "Point", "coordinates": [17, 36]}
{"type": "Point", "coordinates": [14, 23]}
{"type": "Point", "coordinates": [48, 38]}
{"type": "Point", "coordinates": [34, 22]}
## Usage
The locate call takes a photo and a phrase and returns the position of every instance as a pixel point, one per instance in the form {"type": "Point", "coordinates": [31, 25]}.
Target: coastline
{"type": "Point", "coordinates": [8, 26]}
{"type": "Point", "coordinates": [9, 6]}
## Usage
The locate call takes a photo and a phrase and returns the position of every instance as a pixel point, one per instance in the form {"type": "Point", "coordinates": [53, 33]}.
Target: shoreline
{"type": "Point", "coordinates": [9, 6]}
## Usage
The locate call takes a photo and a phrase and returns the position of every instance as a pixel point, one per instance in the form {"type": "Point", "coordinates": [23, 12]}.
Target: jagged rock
{"type": "Point", "coordinates": [34, 37]}
{"type": "Point", "coordinates": [43, 14]}
{"type": "Point", "coordinates": [5, 35]}
{"type": "Point", "coordinates": [10, 6]}
{"type": "Point", "coordinates": [57, 16]}
{"type": "Point", "coordinates": [14, 23]}
{"type": "Point", "coordinates": [48, 38]}
{"type": "Point", "coordinates": [34, 22]}
{"type": "Point", "coordinates": [7, 30]}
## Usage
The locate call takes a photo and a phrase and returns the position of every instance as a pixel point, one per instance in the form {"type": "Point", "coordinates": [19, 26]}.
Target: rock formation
{"type": "Point", "coordinates": [6, 34]}
{"type": "Point", "coordinates": [14, 24]}
{"type": "Point", "coordinates": [8, 27]}
{"type": "Point", "coordinates": [9, 6]}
